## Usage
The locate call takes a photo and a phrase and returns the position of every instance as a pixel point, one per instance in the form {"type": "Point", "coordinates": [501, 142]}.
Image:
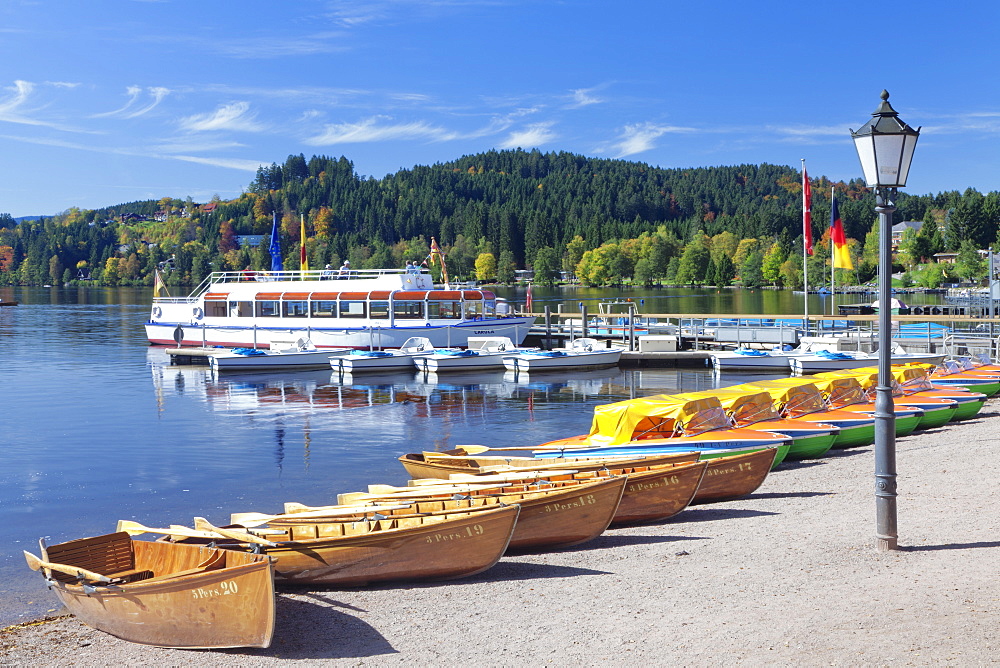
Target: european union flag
{"type": "Point", "coordinates": [275, 248]}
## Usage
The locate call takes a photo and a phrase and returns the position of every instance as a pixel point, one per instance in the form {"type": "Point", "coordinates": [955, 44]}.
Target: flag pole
{"type": "Point", "coordinates": [833, 260]}
{"type": "Point", "coordinates": [806, 235]}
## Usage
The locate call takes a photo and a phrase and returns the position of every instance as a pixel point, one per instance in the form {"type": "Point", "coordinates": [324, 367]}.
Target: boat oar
{"type": "Point", "coordinates": [256, 519]}
{"type": "Point", "coordinates": [35, 564]}
{"type": "Point", "coordinates": [175, 530]}
{"type": "Point", "coordinates": [242, 536]}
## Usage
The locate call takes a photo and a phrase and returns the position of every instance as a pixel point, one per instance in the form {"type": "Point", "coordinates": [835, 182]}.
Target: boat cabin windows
{"type": "Point", "coordinates": [296, 309]}
{"type": "Point", "coordinates": [238, 310]}
{"type": "Point", "coordinates": [408, 310]}
{"type": "Point", "coordinates": [324, 308]}
{"type": "Point", "coordinates": [444, 310]}
{"type": "Point", "coordinates": [473, 310]}
{"type": "Point", "coordinates": [352, 309]}
{"type": "Point", "coordinates": [267, 309]}
{"type": "Point", "coordinates": [378, 310]}
{"type": "Point", "coordinates": [214, 309]}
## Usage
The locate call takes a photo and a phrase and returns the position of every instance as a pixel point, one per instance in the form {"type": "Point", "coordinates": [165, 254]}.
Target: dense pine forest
{"type": "Point", "coordinates": [602, 221]}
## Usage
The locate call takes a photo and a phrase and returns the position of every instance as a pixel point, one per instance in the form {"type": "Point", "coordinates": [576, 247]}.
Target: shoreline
{"type": "Point", "coordinates": [788, 575]}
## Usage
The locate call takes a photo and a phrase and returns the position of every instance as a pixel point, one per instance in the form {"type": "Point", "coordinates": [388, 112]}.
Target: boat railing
{"type": "Point", "coordinates": [290, 275]}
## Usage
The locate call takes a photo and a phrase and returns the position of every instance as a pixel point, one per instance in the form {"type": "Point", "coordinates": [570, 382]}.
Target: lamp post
{"type": "Point", "coordinates": [885, 146]}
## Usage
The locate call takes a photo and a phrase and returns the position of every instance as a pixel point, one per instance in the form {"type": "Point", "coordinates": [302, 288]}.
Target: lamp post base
{"type": "Point", "coordinates": [886, 544]}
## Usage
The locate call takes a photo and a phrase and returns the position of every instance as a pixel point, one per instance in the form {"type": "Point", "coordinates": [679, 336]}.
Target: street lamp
{"type": "Point", "coordinates": [885, 146]}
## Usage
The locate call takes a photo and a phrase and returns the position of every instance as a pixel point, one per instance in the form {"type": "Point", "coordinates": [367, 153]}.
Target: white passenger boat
{"type": "Point", "coordinates": [749, 359]}
{"type": "Point", "coordinates": [831, 361]}
{"type": "Point", "coordinates": [373, 309]}
{"type": "Point", "coordinates": [299, 354]}
{"type": "Point", "coordinates": [400, 359]}
{"type": "Point", "coordinates": [583, 353]}
{"type": "Point", "coordinates": [482, 353]}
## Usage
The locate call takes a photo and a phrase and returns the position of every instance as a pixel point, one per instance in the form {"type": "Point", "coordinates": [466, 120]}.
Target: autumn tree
{"type": "Point", "coordinates": [486, 267]}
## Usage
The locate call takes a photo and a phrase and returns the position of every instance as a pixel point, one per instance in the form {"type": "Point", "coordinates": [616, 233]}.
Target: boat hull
{"type": "Point", "coordinates": [983, 385]}
{"type": "Point", "coordinates": [439, 363]}
{"type": "Point", "coordinates": [445, 464]}
{"type": "Point", "coordinates": [394, 361]}
{"type": "Point", "coordinates": [271, 361]}
{"type": "Point", "coordinates": [562, 515]}
{"type": "Point", "coordinates": [231, 606]}
{"type": "Point", "coordinates": [809, 364]}
{"type": "Point", "coordinates": [446, 548]}
{"type": "Point", "coordinates": [735, 476]}
{"type": "Point", "coordinates": [538, 362]}
{"type": "Point", "coordinates": [738, 362]}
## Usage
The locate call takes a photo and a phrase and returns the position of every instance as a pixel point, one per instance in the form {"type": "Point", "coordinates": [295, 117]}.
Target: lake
{"type": "Point", "coordinates": [98, 426]}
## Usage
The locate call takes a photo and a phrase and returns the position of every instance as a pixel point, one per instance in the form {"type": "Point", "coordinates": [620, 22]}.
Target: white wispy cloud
{"type": "Point", "coordinates": [583, 97]}
{"type": "Point", "coordinates": [14, 109]}
{"type": "Point", "coordinates": [352, 13]}
{"type": "Point", "coordinates": [534, 135]}
{"type": "Point", "coordinates": [235, 116]}
{"type": "Point", "coordinates": [642, 137]}
{"type": "Point", "coordinates": [140, 152]}
{"type": "Point", "coordinates": [373, 130]}
{"type": "Point", "coordinates": [229, 163]}
{"type": "Point", "coordinates": [157, 93]}
{"type": "Point", "coordinates": [300, 45]}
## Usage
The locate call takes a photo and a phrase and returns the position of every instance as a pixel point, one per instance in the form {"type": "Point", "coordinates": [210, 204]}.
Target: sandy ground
{"type": "Point", "coordinates": [787, 576]}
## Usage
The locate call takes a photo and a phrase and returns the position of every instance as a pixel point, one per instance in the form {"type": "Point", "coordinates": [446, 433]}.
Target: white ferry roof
{"type": "Point", "coordinates": [323, 295]}
{"type": "Point", "coordinates": [376, 284]}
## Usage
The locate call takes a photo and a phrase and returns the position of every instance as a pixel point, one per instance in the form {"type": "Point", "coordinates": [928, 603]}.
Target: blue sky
{"type": "Point", "coordinates": [113, 101]}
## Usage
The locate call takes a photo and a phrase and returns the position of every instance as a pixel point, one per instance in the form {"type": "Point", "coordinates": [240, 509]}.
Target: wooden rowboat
{"type": "Point", "coordinates": [552, 516]}
{"type": "Point", "coordinates": [726, 478]}
{"type": "Point", "coordinates": [652, 493]}
{"type": "Point", "coordinates": [444, 464]}
{"type": "Point", "coordinates": [352, 551]}
{"type": "Point", "coordinates": [163, 594]}
{"type": "Point", "coordinates": [734, 477]}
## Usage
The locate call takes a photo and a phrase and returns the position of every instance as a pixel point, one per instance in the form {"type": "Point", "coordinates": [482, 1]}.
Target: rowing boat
{"type": "Point", "coordinates": [444, 464]}
{"type": "Point", "coordinates": [163, 594]}
{"type": "Point", "coordinates": [726, 477]}
{"type": "Point", "coordinates": [551, 516]}
{"type": "Point", "coordinates": [652, 493]}
{"type": "Point", "coordinates": [361, 549]}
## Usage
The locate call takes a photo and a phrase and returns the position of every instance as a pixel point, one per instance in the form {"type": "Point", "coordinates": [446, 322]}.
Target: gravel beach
{"type": "Point", "coordinates": [789, 575]}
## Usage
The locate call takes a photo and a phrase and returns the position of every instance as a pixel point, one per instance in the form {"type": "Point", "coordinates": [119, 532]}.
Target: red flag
{"type": "Point", "coordinates": [527, 299]}
{"type": "Point", "coordinates": [807, 228]}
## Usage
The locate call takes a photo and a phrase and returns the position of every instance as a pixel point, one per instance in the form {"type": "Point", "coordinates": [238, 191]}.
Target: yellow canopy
{"type": "Point", "coordinates": [658, 416]}
{"type": "Point", "coordinates": [743, 406]}
{"type": "Point", "coordinates": [868, 377]}
{"type": "Point", "coordinates": [792, 396]}
{"type": "Point", "coordinates": [841, 390]}
{"type": "Point", "coordinates": [913, 378]}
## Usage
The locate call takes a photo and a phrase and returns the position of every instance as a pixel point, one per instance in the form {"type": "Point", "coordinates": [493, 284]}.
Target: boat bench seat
{"type": "Point", "coordinates": [109, 555]}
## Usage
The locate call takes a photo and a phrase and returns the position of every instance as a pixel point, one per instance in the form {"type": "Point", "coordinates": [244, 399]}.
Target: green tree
{"type": "Point", "coordinates": [751, 271]}
{"type": "Point", "coordinates": [772, 261]}
{"type": "Point", "coordinates": [693, 263]}
{"type": "Point", "coordinates": [969, 264]}
{"type": "Point", "coordinates": [506, 267]}
{"type": "Point", "coordinates": [546, 266]}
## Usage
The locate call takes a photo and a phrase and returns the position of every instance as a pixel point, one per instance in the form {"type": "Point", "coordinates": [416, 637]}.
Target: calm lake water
{"type": "Point", "coordinates": [97, 426]}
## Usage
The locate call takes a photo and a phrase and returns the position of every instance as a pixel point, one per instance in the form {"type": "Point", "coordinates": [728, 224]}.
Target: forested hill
{"type": "Point", "coordinates": [509, 204]}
